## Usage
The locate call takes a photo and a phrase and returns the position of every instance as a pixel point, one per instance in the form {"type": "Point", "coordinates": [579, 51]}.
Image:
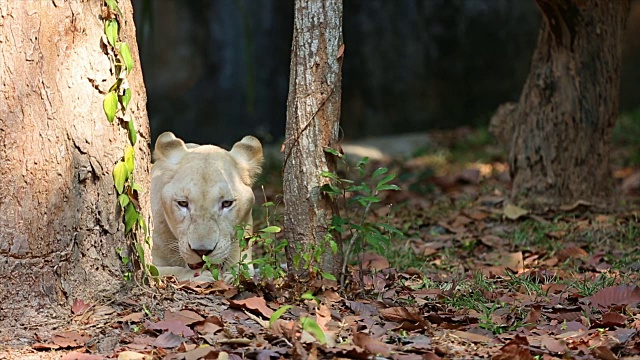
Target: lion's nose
{"type": "Point", "coordinates": [201, 252]}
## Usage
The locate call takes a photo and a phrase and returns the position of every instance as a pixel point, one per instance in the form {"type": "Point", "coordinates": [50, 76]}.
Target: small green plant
{"type": "Point", "coordinates": [268, 265]}
{"type": "Point", "coordinates": [211, 266]}
{"type": "Point", "coordinates": [312, 256]}
{"type": "Point", "coordinates": [356, 198]}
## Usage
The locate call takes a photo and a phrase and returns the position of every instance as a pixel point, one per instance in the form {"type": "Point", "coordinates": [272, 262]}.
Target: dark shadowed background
{"type": "Point", "coordinates": [218, 70]}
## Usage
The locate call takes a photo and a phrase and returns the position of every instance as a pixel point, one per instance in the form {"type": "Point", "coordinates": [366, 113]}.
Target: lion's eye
{"type": "Point", "coordinates": [183, 203]}
{"type": "Point", "coordinates": [227, 204]}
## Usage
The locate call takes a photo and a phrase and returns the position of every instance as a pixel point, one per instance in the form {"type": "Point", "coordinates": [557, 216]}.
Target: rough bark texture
{"type": "Point", "coordinates": [60, 221]}
{"type": "Point", "coordinates": [313, 113]}
{"type": "Point", "coordinates": [559, 133]}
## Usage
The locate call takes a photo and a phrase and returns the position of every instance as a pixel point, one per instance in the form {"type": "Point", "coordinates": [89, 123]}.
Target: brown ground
{"type": "Point", "coordinates": [471, 279]}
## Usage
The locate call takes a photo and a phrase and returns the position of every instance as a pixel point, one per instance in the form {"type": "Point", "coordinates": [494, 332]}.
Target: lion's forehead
{"type": "Point", "coordinates": [208, 179]}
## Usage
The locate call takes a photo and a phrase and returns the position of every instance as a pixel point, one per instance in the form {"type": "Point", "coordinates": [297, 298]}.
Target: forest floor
{"type": "Point", "coordinates": [469, 279]}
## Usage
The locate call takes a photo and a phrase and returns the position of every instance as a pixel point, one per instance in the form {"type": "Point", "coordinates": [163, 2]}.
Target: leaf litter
{"type": "Point", "coordinates": [474, 278]}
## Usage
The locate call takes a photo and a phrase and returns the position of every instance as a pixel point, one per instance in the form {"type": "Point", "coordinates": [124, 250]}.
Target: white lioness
{"type": "Point", "coordinates": [199, 194]}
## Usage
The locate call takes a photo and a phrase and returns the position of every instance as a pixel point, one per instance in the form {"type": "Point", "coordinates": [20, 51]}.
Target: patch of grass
{"type": "Point", "coordinates": [471, 294]}
{"type": "Point", "coordinates": [533, 235]}
{"type": "Point", "coordinates": [587, 286]}
{"type": "Point", "coordinates": [527, 285]}
{"type": "Point", "coordinates": [403, 257]}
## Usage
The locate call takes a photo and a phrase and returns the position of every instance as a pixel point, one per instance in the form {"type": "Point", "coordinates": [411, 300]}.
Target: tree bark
{"type": "Point", "coordinates": [313, 113]}
{"type": "Point", "coordinates": [559, 133]}
{"type": "Point", "coordinates": [60, 221]}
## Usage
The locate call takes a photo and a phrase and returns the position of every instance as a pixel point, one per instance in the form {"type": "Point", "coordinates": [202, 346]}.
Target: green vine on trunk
{"type": "Point", "coordinates": [115, 108]}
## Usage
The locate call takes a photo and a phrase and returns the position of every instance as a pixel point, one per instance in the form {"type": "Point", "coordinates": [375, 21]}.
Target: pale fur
{"type": "Point", "coordinates": [204, 176]}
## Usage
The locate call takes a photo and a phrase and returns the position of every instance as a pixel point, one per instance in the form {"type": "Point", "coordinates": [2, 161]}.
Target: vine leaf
{"type": "Point", "coordinates": [123, 199]}
{"type": "Point", "coordinates": [126, 56]}
{"type": "Point", "coordinates": [120, 175]}
{"type": "Point", "coordinates": [113, 6]}
{"type": "Point", "coordinates": [110, 105]}
{"type": "Point", "coordinates": [130, 217]}
{"type": "Point", "coordinates": [133, 137]}
{"type": "Point", "coordinates": [111, 30]}
{"type": "Point", "coordinates": [137, 187]}
{"type": "Point", "coordinates": [142, 224]}
{"type": "Point", "coordinates": [128, 159]}
{"type": "Point", "coordinates": [125, 98]}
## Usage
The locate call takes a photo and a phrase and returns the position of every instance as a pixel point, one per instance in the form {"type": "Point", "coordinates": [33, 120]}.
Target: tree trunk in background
{"type": "Point", "coordinates": [559, 133]}
{"type": "Point", "coordinates": [60, 221]}
{"type": "Point", "coordinates": [313, 113]}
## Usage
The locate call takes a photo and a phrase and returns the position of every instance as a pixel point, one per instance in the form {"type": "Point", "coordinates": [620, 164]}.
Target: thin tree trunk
{"type": "Point", "coordinates": [559, 134]}
{"type": "Point", "coordinates": [60, 221]}
{"type": "Point", "coordinates": [313, 113]}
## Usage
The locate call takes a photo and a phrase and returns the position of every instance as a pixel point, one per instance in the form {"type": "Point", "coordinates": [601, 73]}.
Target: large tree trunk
{"type": "Point", "coordinates": [559, 133]}
{"type": "Point", "coordinates": [60, 221]}
{"type": "Point", "coordinates": [313, 113]}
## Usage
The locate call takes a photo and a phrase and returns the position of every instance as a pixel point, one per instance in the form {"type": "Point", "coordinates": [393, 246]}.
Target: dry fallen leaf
{"type": "Point", "coordinates": [173, 326]}
{"type": "Point", "coordinates": [535, 314]}
{"type": "Point", "coordinates": [187, 317]}
{"type": "Point", "coordinates": [473, 337]}
{"type": "Point", "coordinates": [132, 355]}
{"type": "Point", "coordinates": [323, 316]}
{"type": "Point", "coordinates": [613, 319]}
{"type": "Point", "coordinates": [404, 316]}
{"type": "Point", "coordinates": [211, 325]}
{"type": "Point", "coordinates": [79, 307]}
{"type": "Point", "coordinates": [604, 353]}
{"type": "Point", "coordinates": [202, 352]}
{"type": "Point", "coordinates": [571, 252]}
{"type": "Point", "coordinates": [514, 212]}
{"type": "Point", "coordinates": [283, 328]}
{"type": "Point", "coordinates": [616, 295]}
{"type": "Point", "coordinates": [70, 339]}
{"type": "Point", "coordinates": [133, 317]}
{"type": "Point", "coordinates": [516, 349]}
{"type": "Point", "coordinates": [553, 345]}
{"type": "Point", "coordinates": [371, 260]}
{"type": "Point", "coordinates": [513, 261]}
{"type": "Point", "coordinates": [76, 355]}
{"type": "Point", "coordinates": [623, 335]}
{"type": "Point", "coordinates": [168, 340]}
{"type": "Point", "coordinates": [255, 303]}
{"type": "Point", "coordinates": [373, 346]}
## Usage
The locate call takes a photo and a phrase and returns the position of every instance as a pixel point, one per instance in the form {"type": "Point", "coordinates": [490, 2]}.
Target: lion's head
{"type": "Point", "coordinates": [199, 194]}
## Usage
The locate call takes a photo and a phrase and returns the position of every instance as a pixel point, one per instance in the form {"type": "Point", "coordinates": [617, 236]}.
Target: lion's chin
{"type": "Point", "coordinates": [196, 266]}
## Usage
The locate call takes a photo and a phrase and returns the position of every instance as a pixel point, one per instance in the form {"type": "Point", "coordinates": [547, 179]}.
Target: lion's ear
{"type": "Point", "coordinates": [248, 154]}
{"type": "Point", "coordinates": [169, 148]}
